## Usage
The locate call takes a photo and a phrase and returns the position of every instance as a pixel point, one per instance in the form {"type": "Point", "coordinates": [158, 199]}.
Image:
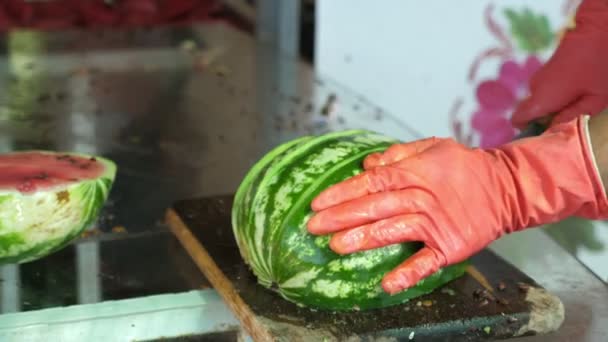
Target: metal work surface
{"type": "Point", "coordinates": [185, 112]}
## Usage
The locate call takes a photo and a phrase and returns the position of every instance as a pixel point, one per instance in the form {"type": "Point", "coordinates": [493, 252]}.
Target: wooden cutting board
{"type": "Point", "coordinates": [493, 300]}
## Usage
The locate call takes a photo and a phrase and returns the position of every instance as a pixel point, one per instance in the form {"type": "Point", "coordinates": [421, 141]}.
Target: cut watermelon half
{"type": "Point", "coordinates": [47, 199]}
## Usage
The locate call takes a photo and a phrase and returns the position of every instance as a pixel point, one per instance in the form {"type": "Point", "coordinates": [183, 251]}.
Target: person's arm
{"type": "Point", "coordinates": [575, 79]}
{"type": "Point", "coordinates": [457, 200]}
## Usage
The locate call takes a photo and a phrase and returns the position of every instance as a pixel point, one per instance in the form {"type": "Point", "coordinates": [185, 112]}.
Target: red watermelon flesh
{"type": "Point", "coordinates": [28, 172]}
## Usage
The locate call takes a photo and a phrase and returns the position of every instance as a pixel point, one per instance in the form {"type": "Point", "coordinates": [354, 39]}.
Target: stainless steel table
{"type": "Point", "coordinates": [184, 112]}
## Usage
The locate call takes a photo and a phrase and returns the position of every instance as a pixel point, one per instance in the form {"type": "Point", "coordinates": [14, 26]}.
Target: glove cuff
{"type": "Point", "coordinates": [552, 177]}
{"type": "Point", "coordinates": [600, 209]}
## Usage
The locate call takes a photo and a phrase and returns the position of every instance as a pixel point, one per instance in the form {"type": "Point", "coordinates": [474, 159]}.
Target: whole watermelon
{"type": "Point", "coordinates": [269, 216]}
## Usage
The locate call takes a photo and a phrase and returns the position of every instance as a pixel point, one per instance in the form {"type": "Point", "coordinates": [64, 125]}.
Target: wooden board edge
{"type": "Point", "coordinates": [216, 277]}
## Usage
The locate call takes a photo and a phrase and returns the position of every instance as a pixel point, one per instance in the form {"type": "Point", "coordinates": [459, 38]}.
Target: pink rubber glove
{"type": "Point", "coordinates": [575, 79]}
{"type": "Point", "coordinates": [457, 200]}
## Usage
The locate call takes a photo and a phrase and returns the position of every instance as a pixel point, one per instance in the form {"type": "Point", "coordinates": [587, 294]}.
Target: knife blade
{"type": "Point", "coordinates": [533, 129]}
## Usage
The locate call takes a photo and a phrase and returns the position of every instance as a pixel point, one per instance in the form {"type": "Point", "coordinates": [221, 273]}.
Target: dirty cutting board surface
{"type": "Point", "coordinates": [493, 300]}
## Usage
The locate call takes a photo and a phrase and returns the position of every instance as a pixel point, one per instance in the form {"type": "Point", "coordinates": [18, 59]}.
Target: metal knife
{"type": "Point", "coordinates": [533, 129]}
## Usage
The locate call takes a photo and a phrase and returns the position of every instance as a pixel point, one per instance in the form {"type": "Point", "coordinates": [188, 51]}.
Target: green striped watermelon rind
{"type": "Point", "coordinates": [36, 225]}
{"type": "Point", "coordinates": [241, 212]}
{"type": "Point", "coordinates": [277, 192]}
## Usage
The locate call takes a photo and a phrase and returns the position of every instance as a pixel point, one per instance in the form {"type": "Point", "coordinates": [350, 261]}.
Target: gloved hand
{"type": "Point", "coordinates": [575, 79]}
{"type": "Point", "coordinates": [457, 200]}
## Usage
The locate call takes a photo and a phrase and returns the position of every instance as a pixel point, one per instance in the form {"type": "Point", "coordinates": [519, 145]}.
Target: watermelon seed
{"type": "Point", "coordinates": [378, 116]}
{"type": "Point", "coordinates": [43, 97]}
{"type": "Point", "coordinates": [523, 287]}
{"type": "Point", "coordinates": [61, 96]}
{"type": "Point", "coordinates": [119, 229]}
{"type": "Point", "coordinates": [502, 301]}
{"type": "Point", "coordinates": [481, 294]}
{"type": "Point", "coordinates": [308, 108]}
{"type": "Point", "coordinates": [501, 286]}
{"type": "Point", "coordinates": [63, 196]}
{"type": "Point", "coordinates": [512, 319]}
{"type": "Point", "coordinates": [449, 291]}
{"type": "Point", "coordinates": [295, 99]}
{"type": "Point", "coordinates": [329, 104]}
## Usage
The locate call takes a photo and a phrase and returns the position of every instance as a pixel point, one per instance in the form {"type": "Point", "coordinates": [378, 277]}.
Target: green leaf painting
{"type": "Point", "coordinates": [532, 32]}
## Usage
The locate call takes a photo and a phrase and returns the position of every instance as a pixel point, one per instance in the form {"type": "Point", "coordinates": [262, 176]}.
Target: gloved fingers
{"type": "Point", "coordinates": [398, 152]}
{"type": "Point", "coordinates": [586, 105]}
{"type": "Point", "coordinates": [372, 181]}
{"type": "Point", "coordinates": [398, 229]}
{"type": "Point", "coordinates": [422, 264]}
{"type": "Point", "coordinates": [546, 98]}
{"type": "Point", "coordinates": [368, 209]}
